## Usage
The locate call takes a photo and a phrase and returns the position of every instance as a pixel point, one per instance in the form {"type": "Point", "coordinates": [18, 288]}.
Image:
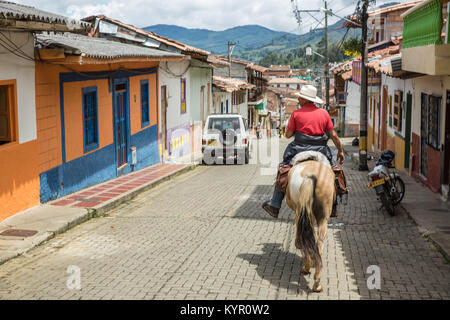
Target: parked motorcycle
{"type": "Point", "coordinates": [388, 186]}
{"type": "Point", "coordinates": [258, 132]}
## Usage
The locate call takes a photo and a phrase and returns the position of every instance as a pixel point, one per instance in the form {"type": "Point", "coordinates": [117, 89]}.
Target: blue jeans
{"type": "Point", "coordinates": [277, 198]}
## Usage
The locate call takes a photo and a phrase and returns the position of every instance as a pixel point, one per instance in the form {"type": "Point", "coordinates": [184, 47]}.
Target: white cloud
{"type": "Point", "coordinates": [206, 14]}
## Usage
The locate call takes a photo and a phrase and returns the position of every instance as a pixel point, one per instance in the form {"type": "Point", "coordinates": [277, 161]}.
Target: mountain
{"type": "Point", "coordinates": [254, 41]}
{"type": "Point", "coordinates": [248, 37]}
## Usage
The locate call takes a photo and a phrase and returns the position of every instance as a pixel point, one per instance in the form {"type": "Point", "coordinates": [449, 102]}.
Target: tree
{"type": "Point", "coordinates": [352, 47]}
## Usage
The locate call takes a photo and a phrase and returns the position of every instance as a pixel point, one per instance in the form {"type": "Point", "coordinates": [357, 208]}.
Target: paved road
{"type": "Point", "coordinates": [204, 236]}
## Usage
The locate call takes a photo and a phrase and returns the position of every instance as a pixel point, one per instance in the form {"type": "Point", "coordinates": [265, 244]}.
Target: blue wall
{"type": "Point", "coordinates": [100, 165]}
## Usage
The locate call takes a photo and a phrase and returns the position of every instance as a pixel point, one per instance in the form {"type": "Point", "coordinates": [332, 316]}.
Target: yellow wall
{"type": "Point", "coordinates": [399, 153]}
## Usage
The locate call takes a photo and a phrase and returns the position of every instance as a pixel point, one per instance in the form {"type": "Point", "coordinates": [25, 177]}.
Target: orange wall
{"type": "Point", "coordinates": [135, 102]}
{"type": "Point", "coordinates": [48, 116]}
{"type": "Point", "coordinates": [19, 183]}
{"type": "Point", "coordinates": [48, 110]}
{"type": "Point", "coordinates": [73, 116]}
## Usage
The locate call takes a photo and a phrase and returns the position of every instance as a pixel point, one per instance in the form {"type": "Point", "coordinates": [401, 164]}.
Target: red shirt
{"type": "Point", "coordinates": [310, 120]}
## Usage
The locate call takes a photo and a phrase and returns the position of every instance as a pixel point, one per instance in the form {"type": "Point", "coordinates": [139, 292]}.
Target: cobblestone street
{"type": "Point", "coordinates": [204, 235]}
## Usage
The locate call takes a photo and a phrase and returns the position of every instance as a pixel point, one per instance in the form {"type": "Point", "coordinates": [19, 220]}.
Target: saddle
{"type": "Point", "coordinates": [340, 180]}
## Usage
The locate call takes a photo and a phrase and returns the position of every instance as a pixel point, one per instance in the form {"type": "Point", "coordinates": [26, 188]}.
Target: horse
{"type": "Point", "coordinates": [311, 193]}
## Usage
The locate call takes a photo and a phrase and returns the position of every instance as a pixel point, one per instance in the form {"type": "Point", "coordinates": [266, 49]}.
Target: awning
{"type": "Point", "coordinates": [262, 105]}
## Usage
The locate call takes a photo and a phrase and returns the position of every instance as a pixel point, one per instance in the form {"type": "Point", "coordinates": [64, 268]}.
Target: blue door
{"type": "Point", "coordinates": [121, 121]}
{"type": "Point", "coordinates": [227, 106]}
{"type": "Point", "coordinates": [221, 107]}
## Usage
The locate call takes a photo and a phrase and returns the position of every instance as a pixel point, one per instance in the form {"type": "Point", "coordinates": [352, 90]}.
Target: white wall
{"type": "Point", "coordinates": [243, 107]}
{"type": "Point", "coordinates": [394, 84]}
{"type": "Point", "coordinates": [13, 67]}
{"type": "Point", "coordinates": [218, 98]}
{"type": "Point", "coordinates": [352, 109]}
{"type": "Point", "coordinates": [170, 74]}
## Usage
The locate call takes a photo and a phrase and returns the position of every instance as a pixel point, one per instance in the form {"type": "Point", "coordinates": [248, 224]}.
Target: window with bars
{"type": "Point", "coordinates": [434, 116]}
{"type": "Point", "coordinates": [397, 116]}
{"type": "Point", "coordinates": [7, 113]}
{"type": "Point", "coordinates": [183, 95]}
{"type": "Point", "coordinates": [430, 119]}
{"type": "Point", "coordinates": [390, 111]}
{"type": "Point", "coordinates": [145, 111]}
{"type": "Point", "coordinates": [90, 119]}
{"type": "Point", "coordinates": [238, 97]}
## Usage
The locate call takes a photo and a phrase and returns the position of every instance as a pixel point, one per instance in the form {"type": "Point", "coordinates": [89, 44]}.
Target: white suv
{"type": "Point", "coordinates": [225, 136]}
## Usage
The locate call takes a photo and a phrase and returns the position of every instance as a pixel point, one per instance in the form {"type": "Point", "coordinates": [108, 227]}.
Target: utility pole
{"type": "Point", "coordinates": [363, 106]}
{"type": "Point", "coordinates": [327, 61]}
{"type": "Point", "coordinates": [230, 50]}
{"type": "Point", "coordinates": [327, 57]}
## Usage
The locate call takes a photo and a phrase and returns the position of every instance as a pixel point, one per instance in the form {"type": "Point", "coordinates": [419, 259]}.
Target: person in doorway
{"type": "Point", "coordinates": [312, 128]}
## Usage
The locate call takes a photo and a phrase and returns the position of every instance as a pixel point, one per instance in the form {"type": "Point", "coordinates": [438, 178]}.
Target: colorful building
{"type": "Point", "coordinates": [19, 119]}
{"type": "Point", "coordinates": [97, 110]}
{"type": "Point", "coordinates": [426, 51]}
{"type": "Point", "coordinates": [184, 86]}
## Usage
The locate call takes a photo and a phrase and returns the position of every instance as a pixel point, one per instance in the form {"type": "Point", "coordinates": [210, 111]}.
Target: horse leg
{"type": "Point", "coordinates": [307, 266]}
{"type": "Point", "coordinates": [322, 231]}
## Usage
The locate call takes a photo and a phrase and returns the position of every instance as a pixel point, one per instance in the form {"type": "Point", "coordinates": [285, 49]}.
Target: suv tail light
{"type": "Point", "coordinates": [203, 141]}
{"type": "Point", "coordinates": [244, 141]}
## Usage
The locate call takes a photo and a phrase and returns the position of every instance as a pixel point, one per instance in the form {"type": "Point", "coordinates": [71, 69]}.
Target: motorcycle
{"type": "Point", "coordinates": [258, 132]}
{"type": "Point", "coordinates": [388, 186]}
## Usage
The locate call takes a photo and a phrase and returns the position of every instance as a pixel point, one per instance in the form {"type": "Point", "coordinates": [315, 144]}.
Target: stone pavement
{"type": "Point", "coordinates": [205, 236]}
{"type": "Point", "coordinates": [55, 217]}
{"type": "Point", "coordinates": [428, 210]}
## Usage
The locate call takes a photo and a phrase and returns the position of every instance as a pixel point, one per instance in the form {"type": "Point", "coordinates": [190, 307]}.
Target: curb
{"type": "Point", "coordinates": [94, 213]}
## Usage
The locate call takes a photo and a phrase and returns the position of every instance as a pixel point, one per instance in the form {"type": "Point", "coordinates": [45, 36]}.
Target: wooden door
{"type": "Point", "coordinates": [408, 128]}
{"type": "Point", "coordinates": [121, 122]}
{"type": "Point", "coordinates": [384, 119]}
{"type": "Point", "coordinates": [202, 104]}
{"type": "Point", "coordinates": [423, 134]}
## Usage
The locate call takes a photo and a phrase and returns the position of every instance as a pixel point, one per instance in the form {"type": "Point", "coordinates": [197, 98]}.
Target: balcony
{"type": "Point", "coordinates": [424, 50]}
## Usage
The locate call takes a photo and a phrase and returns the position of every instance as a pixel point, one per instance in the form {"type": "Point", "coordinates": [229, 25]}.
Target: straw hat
{"type": "Point", "coordinates": [309, 92]}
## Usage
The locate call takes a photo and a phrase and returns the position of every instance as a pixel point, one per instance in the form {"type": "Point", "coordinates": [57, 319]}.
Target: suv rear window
{"type": "Point", "coordinates": [223, 124]}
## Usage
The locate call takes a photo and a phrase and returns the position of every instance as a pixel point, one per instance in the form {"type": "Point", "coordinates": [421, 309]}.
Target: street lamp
{"type": "Point", "coordinates": [309, 52]}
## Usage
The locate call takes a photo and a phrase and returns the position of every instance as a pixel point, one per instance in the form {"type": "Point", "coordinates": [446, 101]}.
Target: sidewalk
{"type": "Point", "coordinates": [25, 230]}
{"type": "Point", "coordinates": [425, 208]}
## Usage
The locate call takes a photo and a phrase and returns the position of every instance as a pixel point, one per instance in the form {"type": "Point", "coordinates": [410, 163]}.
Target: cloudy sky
{"type": "Point", "coordinates": [208, 14]}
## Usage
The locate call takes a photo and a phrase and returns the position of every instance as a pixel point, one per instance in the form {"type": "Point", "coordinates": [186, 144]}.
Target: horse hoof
{"type": "Point", "coordinates": [317, 287]}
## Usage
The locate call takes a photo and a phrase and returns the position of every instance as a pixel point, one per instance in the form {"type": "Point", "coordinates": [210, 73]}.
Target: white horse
{"type": "Point", "coordinates": [311, 193]}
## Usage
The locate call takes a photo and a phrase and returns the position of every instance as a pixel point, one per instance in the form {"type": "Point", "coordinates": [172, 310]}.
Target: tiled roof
{"type": "Point", "coordinates": [376, 12]}
{"type": "Point", "coordinates": [170, 42]}
{"type": "Point", "coordinates": [256, 67]}
{"type": "Point", "coordinates": [279, 68]}
{"type": "Point", "coordinates": [287, 81]}
{"type": "Point", "coordinates": [100, 48]}
{"type": "Point", "coordinates": [230, 84]}
{"type": "Point", "coordinates": [14, 11]}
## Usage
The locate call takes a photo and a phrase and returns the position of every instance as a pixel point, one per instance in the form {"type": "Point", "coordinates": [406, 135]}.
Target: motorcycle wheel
{"type": "Point", "coordinates": [400, 186]}
{"type": "Point", "coordinates": [387, 203]}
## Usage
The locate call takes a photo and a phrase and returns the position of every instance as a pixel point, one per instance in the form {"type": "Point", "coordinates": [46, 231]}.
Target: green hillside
{"type": "Point", "coordinates": [254, 42]}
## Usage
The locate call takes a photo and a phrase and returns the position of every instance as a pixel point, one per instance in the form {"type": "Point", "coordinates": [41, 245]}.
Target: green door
{"type": "Point", "coordinates": [408, 128]}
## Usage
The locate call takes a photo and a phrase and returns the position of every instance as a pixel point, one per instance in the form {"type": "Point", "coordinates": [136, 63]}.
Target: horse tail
{"type": "Point", "coordinates": [304, 220]}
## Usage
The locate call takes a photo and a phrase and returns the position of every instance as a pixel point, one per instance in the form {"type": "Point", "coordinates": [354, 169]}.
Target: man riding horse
{"type": "Point", "coordinates": [312, 127]}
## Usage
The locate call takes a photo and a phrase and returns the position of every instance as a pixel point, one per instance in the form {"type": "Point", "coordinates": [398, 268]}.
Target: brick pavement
{"type": "Point", "coordinates": [204, 236]}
